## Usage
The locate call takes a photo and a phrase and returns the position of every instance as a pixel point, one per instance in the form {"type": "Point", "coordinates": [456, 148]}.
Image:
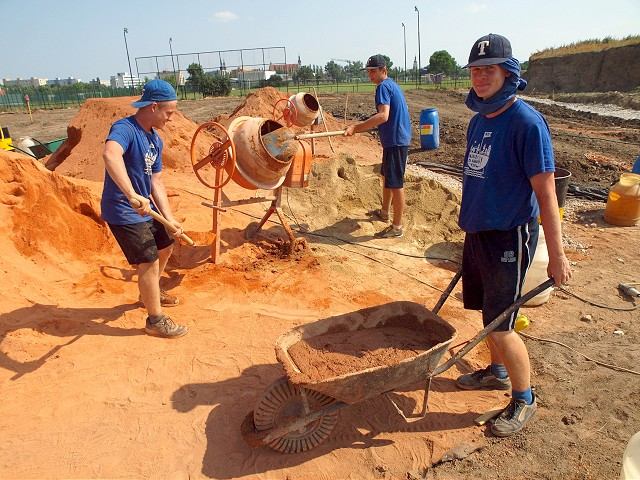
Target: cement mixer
{"type": "Point", "coordinates": [251, 152]}
{"type": "Point", "coordinates": [301, 110]}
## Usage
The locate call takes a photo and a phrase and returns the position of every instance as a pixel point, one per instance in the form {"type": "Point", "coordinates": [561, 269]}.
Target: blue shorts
{"type": "Point", "coordinates": [140, 242]}
{"type": "Point", "coordinates": [394, 161]}
{"type": "Point", "coordinates": [494, 265]}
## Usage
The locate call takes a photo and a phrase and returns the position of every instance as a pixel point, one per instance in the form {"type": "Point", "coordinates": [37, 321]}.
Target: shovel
{"type": "Point", "coordinates": [282, 135]}
{"type": "Point", "coordinates": [163, 221]}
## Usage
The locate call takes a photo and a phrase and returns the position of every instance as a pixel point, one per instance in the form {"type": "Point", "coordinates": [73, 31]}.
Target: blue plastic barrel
{"type": "Point", "coordinates": [429, 129]}
{"type": "Point", "coordinates": [636, 166]}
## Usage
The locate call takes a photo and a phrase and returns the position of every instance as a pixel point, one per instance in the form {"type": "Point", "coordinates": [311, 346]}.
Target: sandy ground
{"type": "Point", "coordinates": [85, 394]}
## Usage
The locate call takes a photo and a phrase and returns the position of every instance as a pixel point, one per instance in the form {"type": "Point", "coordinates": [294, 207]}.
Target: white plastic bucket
{"type": "Point", "coordinates": [537, 273]}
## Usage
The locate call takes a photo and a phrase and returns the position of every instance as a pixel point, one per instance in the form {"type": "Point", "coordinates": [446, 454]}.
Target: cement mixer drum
{"type": "Point", "coordinates": [260, 165]}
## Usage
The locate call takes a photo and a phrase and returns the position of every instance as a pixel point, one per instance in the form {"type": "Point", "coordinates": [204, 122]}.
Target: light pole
{"type": "Point", "coordinates": [404, 34]}
{"type": "Point", "coordinates": [419, 65]}
{"type": "Point", "coordinates": [128, 60]}
{"type": "Point", "coordinates": [172, 63]}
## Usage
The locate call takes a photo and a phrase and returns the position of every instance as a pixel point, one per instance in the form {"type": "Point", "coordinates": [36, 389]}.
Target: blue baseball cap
{"type": "Point", "coordinates": [492, 49]}
{"type": "Point", "coordinates": [156, 91]}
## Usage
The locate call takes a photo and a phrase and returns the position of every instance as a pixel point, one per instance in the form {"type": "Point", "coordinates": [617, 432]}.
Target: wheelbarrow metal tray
{"type": "Point", "coordinates": [360, 385]}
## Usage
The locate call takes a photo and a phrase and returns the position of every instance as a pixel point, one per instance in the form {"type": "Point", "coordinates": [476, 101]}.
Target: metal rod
{"type": "Point", "coordinates": [319, 134]}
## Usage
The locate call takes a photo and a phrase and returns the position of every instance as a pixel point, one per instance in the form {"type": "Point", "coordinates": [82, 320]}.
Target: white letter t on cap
{"type": "Point", "coordinates": [481, 45]}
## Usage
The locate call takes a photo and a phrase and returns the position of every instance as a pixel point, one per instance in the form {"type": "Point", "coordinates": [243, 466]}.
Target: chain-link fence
{"type": "Point", "coordinates": [248, 77]}
{"type": "Point", "coordinates": [19, 99]}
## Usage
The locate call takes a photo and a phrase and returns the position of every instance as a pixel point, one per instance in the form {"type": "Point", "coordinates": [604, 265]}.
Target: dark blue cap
{"type": "Point", "coordinates": [375, 61]}
{"type": "Point", "coordinates": [156, 91]}
{"type": "Point", "coordinates": [492, 49]}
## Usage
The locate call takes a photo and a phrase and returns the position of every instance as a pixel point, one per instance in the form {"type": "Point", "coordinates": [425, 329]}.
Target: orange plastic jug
{"type": "Point", "coordinates": [623, 203]}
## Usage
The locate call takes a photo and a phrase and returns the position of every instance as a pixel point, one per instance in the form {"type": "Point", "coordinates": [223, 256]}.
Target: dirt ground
{"type": "Point", "coordinates": [86, 394]}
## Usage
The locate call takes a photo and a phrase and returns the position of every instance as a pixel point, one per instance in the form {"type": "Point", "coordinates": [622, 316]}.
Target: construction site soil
{"type": "Point", "coordinates": [86, 394]}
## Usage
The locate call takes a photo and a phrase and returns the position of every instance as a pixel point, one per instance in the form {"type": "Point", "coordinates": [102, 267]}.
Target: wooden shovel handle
{"type": "Point", "coordinates": [163, 221]}
{"type": "Point", "coordinates": [319, 135]}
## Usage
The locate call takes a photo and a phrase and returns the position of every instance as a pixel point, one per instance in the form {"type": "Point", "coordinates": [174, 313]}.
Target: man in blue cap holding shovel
{"type": "Point", "coordinates": [133, 162]}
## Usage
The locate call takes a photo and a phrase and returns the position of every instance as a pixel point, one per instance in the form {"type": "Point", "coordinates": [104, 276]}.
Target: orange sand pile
{"type": "Point", "coordinates": [97, 115]}
{"type": "Point", "coordinates": [94, 120]}
{"type": "Point", "coordinates": [45, 214]}
{"type": "Point", "coordinates": [261, 104]}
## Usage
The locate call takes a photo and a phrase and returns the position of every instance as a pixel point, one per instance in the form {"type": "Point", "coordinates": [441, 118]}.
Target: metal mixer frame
{"type": "Point", "coordinates": [222, 157]}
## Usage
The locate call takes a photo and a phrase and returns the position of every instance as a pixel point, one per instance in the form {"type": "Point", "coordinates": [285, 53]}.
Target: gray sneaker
{"type": "Point", "coordinates": [389, 232]}
{"type": "Point", "coordinates": [483, 380]}
{"type": "Point", "coordinates": [514, 418]}
{"type": "Point", "coordinates": [165, 328]}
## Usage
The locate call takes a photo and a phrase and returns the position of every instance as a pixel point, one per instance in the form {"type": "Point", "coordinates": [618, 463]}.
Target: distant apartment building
{"type": "Point", "coordinates": [250, 77]}
{"type": "Point", "coordinates": [97, 81]}
{"type": "Point", "coordinates": [63, 81]}
{"type": "Point", "coordinates": [284, 68]}
{"type": "Point", "coordinates": [170, 75]}
{"type": "Point", "coordinates": [24, 82]}
{"type": "Point", "coordinates": [125, 80]}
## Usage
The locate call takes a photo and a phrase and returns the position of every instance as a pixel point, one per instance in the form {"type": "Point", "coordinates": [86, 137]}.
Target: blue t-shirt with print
{"type": "Point", "coordinates": [142, 158]}
{"type": "Point", "coordinates": [503, 153]}
{"type": "Point", "coordinates": [396, 131]}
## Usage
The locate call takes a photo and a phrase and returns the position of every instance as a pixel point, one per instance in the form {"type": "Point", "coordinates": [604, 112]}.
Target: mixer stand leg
{"type": "Point", "coordinates": [294, 242]}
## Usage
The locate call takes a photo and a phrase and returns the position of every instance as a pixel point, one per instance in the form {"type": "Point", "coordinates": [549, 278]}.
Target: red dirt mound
{"type": "Point", "coordinates": [94, 120]}
{"type": "Point", "coordinates": [44, 213]}
{"type": "Point", "coordinates": [260, 103]}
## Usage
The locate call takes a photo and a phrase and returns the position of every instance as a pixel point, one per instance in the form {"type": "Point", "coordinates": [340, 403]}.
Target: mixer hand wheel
{"type": "Point", "coordinates": [220, 159]}
{"type": "Point", "coordinates": [289, 114]}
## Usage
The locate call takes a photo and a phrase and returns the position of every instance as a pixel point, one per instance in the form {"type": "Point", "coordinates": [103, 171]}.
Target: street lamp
{"type": "Point", "coordinates": [404, 34]}
{"type": "Point", "coordinates": [128, 60]}
{"type": "Point", "coordinates": [172, 63]}
{"type": "Point", "coordinates": [419, 66]}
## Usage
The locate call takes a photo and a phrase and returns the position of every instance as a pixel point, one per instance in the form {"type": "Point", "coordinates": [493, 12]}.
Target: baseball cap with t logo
{"type": "Point", "coordinates": [491, 49]}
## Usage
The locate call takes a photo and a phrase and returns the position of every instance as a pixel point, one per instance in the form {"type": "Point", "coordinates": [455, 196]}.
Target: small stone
{"type": "Point", "coordinates": [621, 260]}
{"type": "Point", "coordinates": [593, 225]}
{"type": "Point", "coordinates": [573, 264]}
{"type": "Point", "coordinates": [586, 318]}
{"type": "Point", "coordinates": [618, 332]}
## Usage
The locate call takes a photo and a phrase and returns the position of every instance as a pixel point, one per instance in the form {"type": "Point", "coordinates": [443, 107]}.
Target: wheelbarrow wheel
{"type": "Point", "coordinates": [282, 403]}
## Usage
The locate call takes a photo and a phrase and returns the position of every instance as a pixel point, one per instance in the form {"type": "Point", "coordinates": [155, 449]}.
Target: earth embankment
{"type": "Point", "coordinates": [608, 70]}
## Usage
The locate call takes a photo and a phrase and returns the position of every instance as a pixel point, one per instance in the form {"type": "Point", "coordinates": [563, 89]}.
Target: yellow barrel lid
{"type": "Point", "coordinates": [629, 179]}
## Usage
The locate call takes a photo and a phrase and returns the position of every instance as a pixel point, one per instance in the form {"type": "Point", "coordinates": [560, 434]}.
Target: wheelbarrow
{"type": "Point", "coordinates": [295, 414]}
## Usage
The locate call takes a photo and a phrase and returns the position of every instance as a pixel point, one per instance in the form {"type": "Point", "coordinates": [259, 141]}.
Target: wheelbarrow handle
{"type": "Point", "coordinates": [492, 326]}
{"type": "Point", "coordinates": [447, 291]}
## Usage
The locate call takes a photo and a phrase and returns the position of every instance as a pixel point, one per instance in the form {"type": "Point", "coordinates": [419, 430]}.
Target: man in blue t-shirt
{"type": "Point", "coordinates": [394, 127]}
{"type": "Point", "coordinates": [507, 182]}
{"type": "Point", "coordinates": [133, 162]}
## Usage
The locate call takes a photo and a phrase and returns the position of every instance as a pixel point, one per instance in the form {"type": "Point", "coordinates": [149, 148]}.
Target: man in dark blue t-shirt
{"type": "Point", "coordinates": [394, 126]}
{"type": "Point", "coordinates": [508, 181]}
{"type": "Point", "coordinates": [133, 162]}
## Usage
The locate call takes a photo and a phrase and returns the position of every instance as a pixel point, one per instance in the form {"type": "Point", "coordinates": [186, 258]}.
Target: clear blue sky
{"type": "Point", "coordinates": [84, 39]}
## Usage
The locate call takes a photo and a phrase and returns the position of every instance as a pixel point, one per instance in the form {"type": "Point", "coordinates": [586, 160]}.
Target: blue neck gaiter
{"type": "Point", "coordinates": [511, 84]}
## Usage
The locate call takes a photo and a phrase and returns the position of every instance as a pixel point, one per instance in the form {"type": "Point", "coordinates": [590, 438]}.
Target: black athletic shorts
{"type": "Point", "coordinates": [394, 162]}
{"type": "Point", "coordinates": [494, 265]}
{"type": "Point", "coordinates": [140, 242]}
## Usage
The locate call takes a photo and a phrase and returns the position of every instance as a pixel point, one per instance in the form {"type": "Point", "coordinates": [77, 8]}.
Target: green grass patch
{"type": "Point", "coordinates": [586, 46]}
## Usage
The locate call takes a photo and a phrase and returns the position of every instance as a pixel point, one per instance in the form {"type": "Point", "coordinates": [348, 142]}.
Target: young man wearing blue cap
{"type": "Point", "coordinates": [507, 182]}
{"type": "Point", "coordinates": [133, 162]}
{"type": "Point", "coordinates": [394, 125]}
